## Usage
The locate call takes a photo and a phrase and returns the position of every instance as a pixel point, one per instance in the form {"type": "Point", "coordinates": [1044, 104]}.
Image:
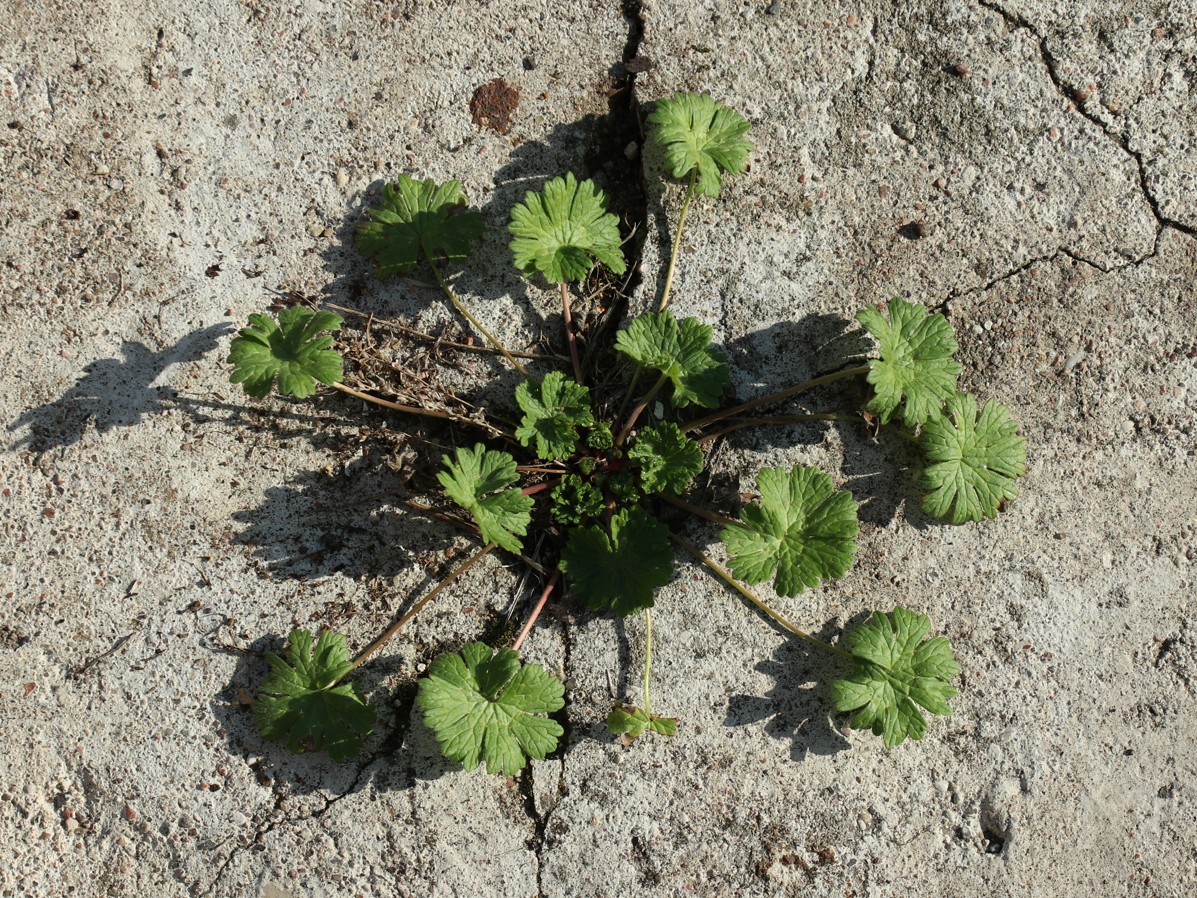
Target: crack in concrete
{"type": "Point", "coordinates": [1121, 140]}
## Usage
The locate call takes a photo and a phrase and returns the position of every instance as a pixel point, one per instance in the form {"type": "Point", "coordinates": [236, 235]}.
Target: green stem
{"type": "Point", "coordinates": [681, 503]}
{"type": "Point", "coordinates": [544, 597]}
{"type": "Point", "coordinates": [677, 242]}
{"type": "Point", "coordinates": [639, 409]}
{"type": "Point", "coordinates": [731, 581]}
{"type": "Point", "coordinates": [415, 410]}
{"type": "Point", "coordinates": [648, 659]}
{"type": "Point", "coordinates": [415, 609]}
{"type": "Point", "coordinates": [774, 397]}
{"type": "Point", "coordinates": [461, 307]}
{"type": "Point", "coordinates": [569, 332]}
{"type": "Point", "coordinates": [741, 423]}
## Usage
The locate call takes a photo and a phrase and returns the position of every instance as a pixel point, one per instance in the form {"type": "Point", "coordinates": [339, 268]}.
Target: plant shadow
{"type": "Point", "coordinates": [878, 470]}
{"type": "Point", "coordinates": [798, 707]}
{"type": "Point", "coordinates": [112, 393]}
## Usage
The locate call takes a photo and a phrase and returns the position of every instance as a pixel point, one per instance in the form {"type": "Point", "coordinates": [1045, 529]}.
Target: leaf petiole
{"type": "Point", "coordinates": [648, 659]}
{"type": "Point", "coordinates": [677, 242]}
{"type": "Point", "coordinates": [773, 397]}
{"type": "Point", "coordinates": [731, 581]}
{"type": "Point", "coordinates": [461, 307]}
{"type": "Point", "coordinates": [415, 609]}
{"type": "Point", "coordinates": [544, 597]}
{"type": "Point", "coordinates": [639, 409]}
{"type": "Point", "coordinates": [741, 423]}
{"type": "Point", "coordinates": [569, 332]}
{"type": "Point", "coordinates": [698, 510]}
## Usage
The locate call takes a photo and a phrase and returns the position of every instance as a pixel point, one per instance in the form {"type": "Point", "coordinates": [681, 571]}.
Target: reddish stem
{"type": "Point", "coordinates": [544, 597]}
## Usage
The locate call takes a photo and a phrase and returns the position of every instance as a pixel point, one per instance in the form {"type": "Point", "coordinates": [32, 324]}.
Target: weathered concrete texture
{"type": "Point", "coordinates": [165, 164]}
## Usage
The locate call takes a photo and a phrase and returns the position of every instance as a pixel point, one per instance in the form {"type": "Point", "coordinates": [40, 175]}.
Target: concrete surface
{"type": "Point", "coordinates": [1026, 168]}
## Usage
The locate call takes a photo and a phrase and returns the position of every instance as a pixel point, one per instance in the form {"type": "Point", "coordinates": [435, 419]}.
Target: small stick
{"type": "Point", "coordinates": [416, 410]}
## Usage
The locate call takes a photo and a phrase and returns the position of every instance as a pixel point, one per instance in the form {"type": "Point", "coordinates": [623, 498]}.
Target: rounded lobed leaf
{"type": "Point", "coordinates": [802, 531]}
{"type": "Point", "coordinates": [485, 706]}
{"type": "Point", "coordinates": [895, 672]}
{"type": "Point", "coordinates": [290, 351]}
{"type": "Point", "coordinates": [475, 480]}
{"type": "Point", "coordinates": [553, 409]}
{"type": "Point", "coordinates": [698, 134]}
{"type": "Point", "coordinates": [668, 458]}
{"type": "Point", "coordinates": [974, 460]}
{"type": "Point", "coordinates": [620, 571]}
{"type": "Point", "coordinates": [682, 351]}
{"type": "Point", "coordinates": [300, 705]}
{"type": "Point", "coordinates": [417, 221]}
{"type": "Point", "coordinates": [563, 229]}
{"type": "Point", "coordinates": [916, 365]}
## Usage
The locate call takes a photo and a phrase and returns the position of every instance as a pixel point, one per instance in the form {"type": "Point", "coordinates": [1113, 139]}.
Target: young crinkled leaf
{"type": "Point", "coordinates": [620, 571]}
{"type": "Point", "coordinates": [290, 351]}
{"type": "Point", "coordinates": [575, 499]}
{"type": "Point", "coordinates": [418, 220]}
{"type": "Point", "coordinates": [300, 705]}
{"type": "Point", "coordinates": [562, 230]}
{"type": "Point", "coordinates": [476, 482]}
{"type": "Point", "coordinates": [700, 134]}
{"type": "Point", "coordinates": [668, 458]}
{"type": "Point", "coordinates": [630, 722]}
{"type": "Point", "coordinates": [681, 351]}
{"type": "Point", "coordinates": [974, 460]}
{"type": "Point", "coordinates": [895, 672]}
{"type": "Point", "coordinates": [485, 706]}
{"type": "Point", "coordinates": [554, 409]}
{"type": "Point", "coordinates": [803, 528]}
{"type": "Point", "coordinates": [916, 361]}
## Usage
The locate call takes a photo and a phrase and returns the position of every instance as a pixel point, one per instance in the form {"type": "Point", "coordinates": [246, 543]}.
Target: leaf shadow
{"type": "Point", "coordinates": [798, 706]}
{"type": "Point", "coordinates": [112, 393]}
{"type": "Point", "coordinates": [875, 470]}
{"type": "Point", "coordinates": [346, 521]}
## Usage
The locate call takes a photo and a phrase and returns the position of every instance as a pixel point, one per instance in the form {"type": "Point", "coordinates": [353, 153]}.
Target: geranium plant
{"type": "Point", "coordinates": [585, 469]}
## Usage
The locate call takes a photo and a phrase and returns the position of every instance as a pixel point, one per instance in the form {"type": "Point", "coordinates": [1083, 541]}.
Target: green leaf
{"type": "Point", "coordinates": [803, 528]}
{"type": "Point", "coordinates": [553, 410]}
{"type": "Point", "coordinates": [600, 436]}
{"type": "Point", "coordinates": [974, 460]}
{"type": "Point", "coordinates": [629, 721]}
{"type": "Point", "coordinates": [474, 482]}
{"type": "Point", "coordinates": [895, 671]}
{"type": "Point", "coordinates": [418, 220]}
{"type": "Point", "coordinates": [560, 231]}
{"type": "Point", "coordinates": [622, 570]}
{"type": "Point", "coordinates": [289, 350]}
{"type": "Point", "coordinates": [485, 706]}
{"type": "Point", "coordinates": [300, 705]}
{"type": "Point", "coordinates": [681, 351]}
{"type": "Point", "coordinates": [697, 133]}
{"type": "Point", "coordinates": [574, 499]}
{"type": "Point", "coordinates": [916, 361]}
{"type": "Point", "coordinates": [668, 458]}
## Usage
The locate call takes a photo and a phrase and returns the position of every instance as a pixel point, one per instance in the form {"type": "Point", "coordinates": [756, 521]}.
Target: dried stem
{"type": "Point", "coordinates": [639, 409]}
{"type": "Point", "coordinates": [773, 397]}
{"type": "Point", "coordinates": [741, 423]}
{"type": "Point", "coordinates": [424, 412]}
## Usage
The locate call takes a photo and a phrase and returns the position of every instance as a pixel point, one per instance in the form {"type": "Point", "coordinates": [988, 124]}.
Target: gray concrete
{"type": "Point", "coordinates": [1026, 168]}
